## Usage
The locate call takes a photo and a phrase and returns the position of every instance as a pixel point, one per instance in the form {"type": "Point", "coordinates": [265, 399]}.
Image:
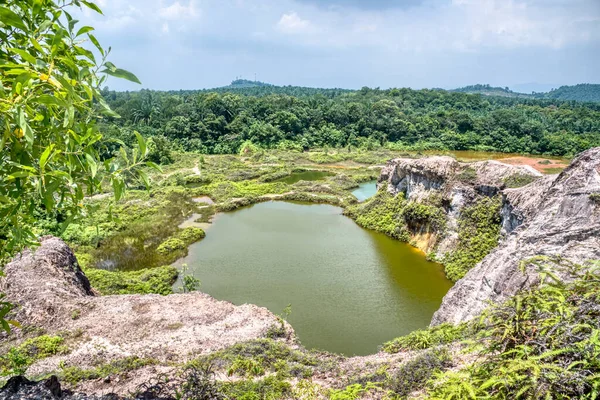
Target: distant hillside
{"type": "Point", "coordinates": [245, 83]}
{"type": "Point", "coordinates": [488, 90]}
{"type": "Point", "coordinates": [581, 92]}
{"type": "Point", "coordinates": [257, 88]}
{"type": "Point", "coordinates": [584, 92]}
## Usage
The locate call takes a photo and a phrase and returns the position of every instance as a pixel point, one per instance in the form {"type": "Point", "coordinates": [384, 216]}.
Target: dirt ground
{"type": "Point", "coordinates": [543, 165]}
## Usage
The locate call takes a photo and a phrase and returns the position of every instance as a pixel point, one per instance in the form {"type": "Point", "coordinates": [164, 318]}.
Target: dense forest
{"type": "Point", "coordinates": [220, 121]}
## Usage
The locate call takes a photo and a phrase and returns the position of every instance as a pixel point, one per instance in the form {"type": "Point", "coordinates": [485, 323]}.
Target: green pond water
{"type": "Point", "coordinates": [310, 175]}
{"type": "Point", "coordinates": [365, 190]}
{"type": "Point", "coordinates": [350, 289]}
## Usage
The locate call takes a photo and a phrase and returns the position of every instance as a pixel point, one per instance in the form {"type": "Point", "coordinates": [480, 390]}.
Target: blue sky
{"type": "Point", "coordinates": [193, 44]}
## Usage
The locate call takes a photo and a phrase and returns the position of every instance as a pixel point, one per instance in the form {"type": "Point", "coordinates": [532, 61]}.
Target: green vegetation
{"type": "Point", "coordinates": [381, 213]}
{"type": "Point", "coordinates": [49, 103]}
{"type": "Point", "coordinates": [478, 234]}
{"type": "Point", "coordinates": [584, 92]}
{"type": "Point", "coordinates": [228, 120]}
{"type": "Point", "coordinates": [518, 180]}
{"type": "Point", "coordinates": [416, 373]}
{"type": "Point", "coordinates": [595, 197]}
{"type": "Point", "coordinates": [74, 374]}
{"type": "Point", "coordinates": [543, 343]}
{"type": "Point", "coordinates": [352, 392]}
{"type": "Point", "coordinates": [18, 359]}
{"type": "Point", "coordinates": [425, 339]}
{"type": "Point", "coordinates": [157, 280]}
{"type": "Point", "coordinates": [265, 356]}
{"type": "Point", "coordinates": [581, 92]}
{"type": "Point", "coordinates": [269, 388]}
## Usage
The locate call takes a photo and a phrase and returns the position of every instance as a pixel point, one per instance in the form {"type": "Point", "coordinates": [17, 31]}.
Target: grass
{"type": "Point", "coordinates": [518, 180]}
{"type": "Point", "coordinates": [75, 375]}
{"type": "Point", "coordinates": [18, 359]}
{"type": "Point", "coordinates": [425, 339]}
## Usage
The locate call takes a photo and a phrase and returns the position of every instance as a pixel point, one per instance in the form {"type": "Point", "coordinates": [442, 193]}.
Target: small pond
{"type": "Point", "coordinates": [350, 289]}
{"type": "Point", "coordinates": [365, 190]}
{"type": "Point", "coordinates": [309, 175]}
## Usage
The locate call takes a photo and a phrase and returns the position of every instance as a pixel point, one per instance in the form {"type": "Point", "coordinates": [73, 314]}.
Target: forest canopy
{"type": "Point", "coordinates": [220, 121]}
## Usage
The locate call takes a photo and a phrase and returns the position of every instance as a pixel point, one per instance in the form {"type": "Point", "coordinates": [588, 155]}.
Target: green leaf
{"type": "Point", "coordinates": [24, 55]}
{"type": "Point", "coordinates": [144, 178]}
{"type": "Point", "coordinates": [118, 186]}
{"type": "Point", "coordinates": [93, 6]}
{"type": "Point", "coordinates": [121, 73]}
{"type": "Point", "coordinates": [8, 17]}
{"type": "Point", "coordinates": [84, 29]}
{"type": "Point", "coordinates": [93, 165]}
{"type": "Point", "coordinates": [154, 166]}
{"type": "Point", "coordinates": [18, 174]}
{"type": "Point", "coordinates": [141, 144]}
{"type": "Point", "coordinates": [45, 156]}
{"type": "Point", "coordinates": [96, 43]}
{"type": "Point", "coordinates": [50, 100]}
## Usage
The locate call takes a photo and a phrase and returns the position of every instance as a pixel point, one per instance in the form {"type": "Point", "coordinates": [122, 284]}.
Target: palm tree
{"type": "Point", "coordinates": [149, 109]}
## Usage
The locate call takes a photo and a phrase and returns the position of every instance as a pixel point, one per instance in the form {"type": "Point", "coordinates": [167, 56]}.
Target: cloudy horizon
{"type": "Point", "coordinates": [193, 44]}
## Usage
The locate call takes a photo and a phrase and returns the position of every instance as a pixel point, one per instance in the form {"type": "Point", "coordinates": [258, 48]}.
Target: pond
{"type": "Point", "coordinates": [365, 190]}
{"type": "Point", "coordinates": [350, 289]}
{"type": "Point", "coordinates": [309, 175]}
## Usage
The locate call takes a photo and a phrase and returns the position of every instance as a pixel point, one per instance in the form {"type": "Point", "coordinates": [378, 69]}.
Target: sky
{"type": "Point", "coordinates": [194, 44]}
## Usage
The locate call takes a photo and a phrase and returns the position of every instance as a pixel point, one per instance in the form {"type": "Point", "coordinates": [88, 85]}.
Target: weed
{"type": "Point", "coordinates": [18, 359]}
{"type": "Point", "coordinates": [414, 374]}
{"type": "Point", "coordinates": [424, 339]}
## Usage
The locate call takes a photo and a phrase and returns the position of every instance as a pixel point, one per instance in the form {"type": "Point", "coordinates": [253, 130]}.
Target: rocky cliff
{"type": "Point", "coordinates": [457, 184]}
{"type": "Point", "coordinates": [557, 216]}
{"type": "Point", "coordinates": [52, 293]}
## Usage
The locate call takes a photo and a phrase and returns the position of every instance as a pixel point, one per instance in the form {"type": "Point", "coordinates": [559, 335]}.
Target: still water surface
{"type": "Point", "coordinates": [351, 289]}
{"type": "Point", "coordinates": [365, 190]}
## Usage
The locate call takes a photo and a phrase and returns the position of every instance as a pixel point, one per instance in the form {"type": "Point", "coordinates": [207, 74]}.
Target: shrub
{"type": "Point", "coordinates": [543, 343]}
{"type": "Point", "coordinates": [73, 375]}
{"type": "Point", "coordinates": [382, 213]}
{"type": "Point", "coordinates": [246, 367]}
{"type": "Point", "coordinates": [595, 197]}
{"type": "Point", "coordinates": [152, 280]}
{"type": "Point", "coordinates": [191, 235]}
{"type": "Point", "coordinates": [424, 339]}
{"type": "Point", "coordinates": [518, 180]}
{"type": "Point", "coordinates": [419, 214]}
{"type": "Point", "coordinates": [414, 374]}
{"type": "Point", "coordinates": [18, 359]}
{"type": "Point", "coordinates": [267, 388]}
{"type": "Point", "coordinates": [478, 234]}
{"type": "Point", "coordinates": [170, 245]}
{"type": "Point", "coordinates": [467, 175]}
{"type": "Point", "coordinates": [351, 392]}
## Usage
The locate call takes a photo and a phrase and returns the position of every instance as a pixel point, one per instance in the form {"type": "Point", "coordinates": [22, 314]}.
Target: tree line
{"type": "Point", "coordinates": [219, 122]}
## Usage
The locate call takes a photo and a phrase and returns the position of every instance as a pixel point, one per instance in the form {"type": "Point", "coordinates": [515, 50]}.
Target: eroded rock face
{"type": "Point", "coordinates": [53, 293]}
{"type": "Point", "coordinates": [458, 184]}
{"type": "Point", "coordinates": [416, 176]}
{"type": "Point", "coordinates": [553, 216]}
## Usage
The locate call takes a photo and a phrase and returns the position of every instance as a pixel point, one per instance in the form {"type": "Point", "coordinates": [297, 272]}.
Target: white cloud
{"type": "Point", "coordinates": [542, 38]}
{"type": "Point", "coordinates": [177, 11]}
{"type": "Point", "coordinates": [292, 23]}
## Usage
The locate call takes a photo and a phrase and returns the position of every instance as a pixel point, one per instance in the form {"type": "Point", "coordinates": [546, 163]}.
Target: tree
{"type": "Point", "coordinates": [49, 102]}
